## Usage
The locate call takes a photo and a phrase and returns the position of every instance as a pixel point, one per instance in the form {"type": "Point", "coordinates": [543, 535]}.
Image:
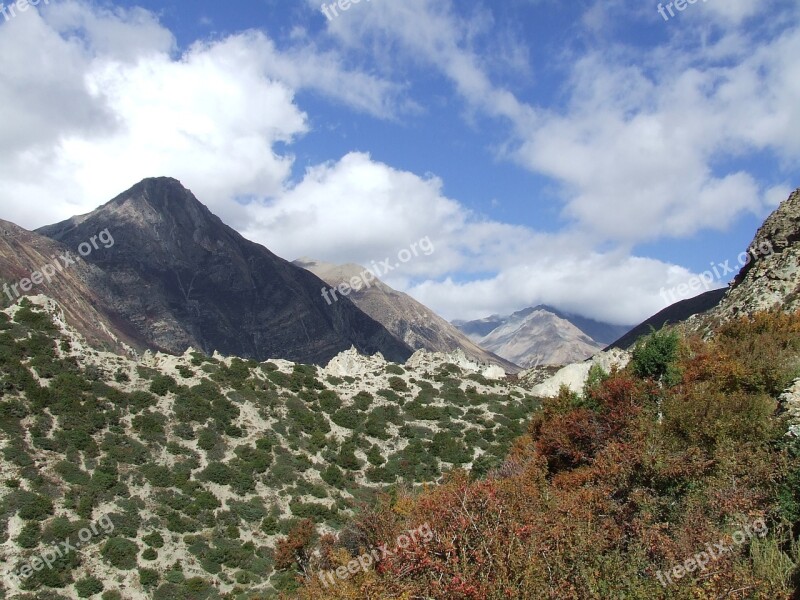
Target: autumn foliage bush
{"type": "Point", "coordinates": [606, 489]}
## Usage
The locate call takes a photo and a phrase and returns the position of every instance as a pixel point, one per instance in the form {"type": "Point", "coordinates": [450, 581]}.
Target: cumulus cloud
{"type": "Point", "coordinates": [105, 98]}
{"type": "Point", "coordinates": [362, 211]}
{"type": "Point", "coordinates": [644, 131]}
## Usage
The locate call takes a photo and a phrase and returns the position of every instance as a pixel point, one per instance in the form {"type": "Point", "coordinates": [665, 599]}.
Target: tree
{"type": "Point", "coordinates": [295, 549]}
{"type": "Point", "coordinates": [655, 356]}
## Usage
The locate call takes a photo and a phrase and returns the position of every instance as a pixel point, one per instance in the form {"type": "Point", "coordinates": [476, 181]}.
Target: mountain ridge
{"type": "Point", "coordinates": [407, 319]}
{"type": "Point", "coordinates": [183, 278]}
{"type": "Point", "coordinates": [540, 335]}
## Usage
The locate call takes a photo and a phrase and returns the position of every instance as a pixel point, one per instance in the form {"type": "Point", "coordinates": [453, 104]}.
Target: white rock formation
{"type": "Point", "coordinates": [790, 402]}
{"type": "Point", "coordinates": [574, 376]}
{"type": "Point", "coordinates": [351, 364]}
{"type": "Point", "coordinates": [429, 361]}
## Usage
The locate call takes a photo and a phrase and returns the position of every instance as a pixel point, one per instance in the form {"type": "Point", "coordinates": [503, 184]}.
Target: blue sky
{"type": "Point", "coordinates": [585, 154]}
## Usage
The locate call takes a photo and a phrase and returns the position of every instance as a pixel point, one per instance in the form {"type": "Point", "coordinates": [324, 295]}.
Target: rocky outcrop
{"type": "Point", "coordinates": [574, 376]}
{"type": "Point", "coordinates": [771, 277]}
{"type": "Point", "coordinates": [430, 361]}
{"type": "Point", "coordinates": [352, 364]}
{"type": "Point", "coordinates": [790, 404]}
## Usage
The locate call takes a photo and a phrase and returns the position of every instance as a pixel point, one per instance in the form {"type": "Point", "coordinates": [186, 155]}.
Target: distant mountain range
{"type": "Point", "coordinates": [541, 335]}
{"type": "Point", "coordinates": [411, 322]}
{"type": "Point", "coordinates": [177, 276]}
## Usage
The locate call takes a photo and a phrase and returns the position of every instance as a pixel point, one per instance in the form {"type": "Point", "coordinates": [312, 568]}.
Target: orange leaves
{"type": "Point", "coordinates": [605, 490]}
{"type": "Point", "coordinates": [295, 548]}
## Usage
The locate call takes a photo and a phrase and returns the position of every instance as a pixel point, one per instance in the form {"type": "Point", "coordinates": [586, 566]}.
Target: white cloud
{"type": "Point", "coordinates": [102, 99]}
{"type": "Point", "coordinates": [644, 132]}
{"type": "Point", "coordinates": [361, 211]}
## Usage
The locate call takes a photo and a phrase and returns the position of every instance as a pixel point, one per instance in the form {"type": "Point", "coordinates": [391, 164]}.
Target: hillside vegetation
{"type": "Point", "coordinates": [187, 473]}
{"type": "Point", "coordinates": [607, 491]}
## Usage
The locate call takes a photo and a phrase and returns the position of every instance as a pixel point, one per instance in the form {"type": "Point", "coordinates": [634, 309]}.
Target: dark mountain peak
{"type": "Point", "coordinates": [158, 207]}
{"type": "Point", "coordinates": [521, 314]}
{"type": "Point", "coordinates": [183, 278]}
{"type": "Point", "coordinates": [161, 200]}
{"type": "Point", "coordinates": [164, 195]}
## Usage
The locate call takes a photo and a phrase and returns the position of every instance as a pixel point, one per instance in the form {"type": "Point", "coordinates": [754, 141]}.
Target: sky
{"type": "Point", "coordinates": [592, 155]}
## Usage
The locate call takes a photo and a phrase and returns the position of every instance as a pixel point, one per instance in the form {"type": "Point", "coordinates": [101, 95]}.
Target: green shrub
{"type": "Point", "coordinates": [654, 357]}
{"type": "Point", "coordinates": [149, 425]}
{"type": "Point", "coordinates": [139, 400]}
{"type": "Point", "coordinates": [348, 417]}
{"type": "Point", "coordinates": [35, 319]}
{"type": "Point", "coordinates": [269, 525]}
{"type": "Point", "coordinates": [88, 587]}
{"type": "Point", "coordinates": [29, 535]}
{"type": "Point", "coordinates": [329, 401]}
{"type": "Point", "coordinates": [120, 553]}
{"type": "Point", "coordinates": [72, 473]}
{"type": "Point", "coordinates": [362, 400]}
{"type": "Point", "coordinates": [332, 475]}
{"type": "Point", "coordinates": [207, 439]}
{"type": "Point", "coordinates": [450, 449]}
{"type": "Point", "coordinates": [251, 511]}
{"type": "Point", "coordinates": [163, 384]}
{"type": "Point", "coordinates": [391, 396]}
{"type": "Point", "coordinates": [154, 540]}
{"type": "Point", "coordinates": [375, 457]}
{"type": "Point", "coordinates": [397, 384]}
{"type": "Point", "coordinates": [33, 506]}
{"type": "Point", "coordinates": [149, 554]}
{"type": "Point", "coordinates": [482, 465]}
{"type": "Point", "coordinates": [184, 371]}
{"type": "Point", "coordinates": [347, 458]}
{"type": "Point", "coordinates": [148, 577]}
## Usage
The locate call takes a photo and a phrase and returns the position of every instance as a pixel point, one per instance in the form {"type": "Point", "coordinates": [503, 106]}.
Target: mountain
{"type": "Point", "coordinates": [408, 320]}
{"type": "Point", "coordinates": [180, 277]}
{"type": "Point", "coordinates": [58, 272]}
{"type": "Point", "coordinates": [675, 313]}
{"type": "Point", "coordinates": [541, 335]}
{"type": "Point", "coordinates": [771, 278]}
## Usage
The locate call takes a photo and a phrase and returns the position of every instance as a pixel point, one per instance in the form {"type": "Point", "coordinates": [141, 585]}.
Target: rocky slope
{"type": "Point", "coordinates": [410, 321]}
{"type": "Point", "coordinates": [540, 336]}
{"type": "Point", "coordinates": [180, 277]}
{"type": "Point", "coordinates": [574, 376]}
{"type": "Point", "coordinates": [64, 276]}
{"type": "Point", "coordinates": [772, 277]}
{"type": "Point", "coordinates": [191, 467]}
